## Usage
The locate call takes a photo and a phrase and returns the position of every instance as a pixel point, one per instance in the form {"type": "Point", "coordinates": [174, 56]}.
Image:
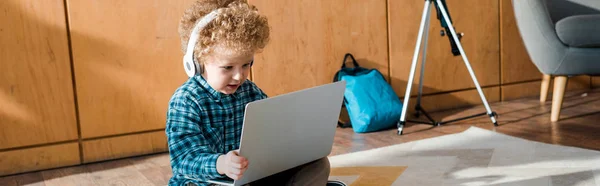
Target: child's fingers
{"type": "Point", "coordinates": [233, 176]}
{"type": "Point", "coordinates": [238, 159]}
{"type": "Point", "coordinates": [244, 169]}
{"type": "Point", "coordinates": [245, 164]}
{"type": "Point", "coordinates": [234, 154]}
{"type": "Point", "coordinates": [236, 171]}
{"type": "Point", "coordinates": [237, 165]}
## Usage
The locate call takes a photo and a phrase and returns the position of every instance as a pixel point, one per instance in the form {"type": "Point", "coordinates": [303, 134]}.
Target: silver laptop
{"type": "Point", "coordinates": [288, 130]}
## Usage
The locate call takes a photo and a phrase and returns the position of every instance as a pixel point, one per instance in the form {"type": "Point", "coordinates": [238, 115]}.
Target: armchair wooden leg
{"type": "Point", "coordinates": [560, 84]}
{"type": "Point", "coordinates": [544, 89]}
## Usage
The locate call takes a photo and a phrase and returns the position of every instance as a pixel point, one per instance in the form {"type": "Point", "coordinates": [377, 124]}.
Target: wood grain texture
{"type": "Point", "coordinates": [124, 146]}
{"type": "Point", "coordinates": [595, 81]}
{"type": "Point", "coordinates": [578, 82]}
{"type": "Point", "coordinates": [516, 64]}
{"type": "Point", "coordinates": [29, 179]}
{"type": "Point", "coordinates": [144, 170]}
{"type": "Point", "coordinates": [443, 71]}
{"type": "Point", "coordinates": [309, 40]}
{"type": "Point", "coordinates": [36, 92]}
{"type": "Point", "coordinates": [524, 118]}
{"type": "Point", "coordinates": [523, 90]}
{"type": "Point", "coordinates": [532, 89]}
{"type": "Point", "coordinates": [127, 63]}
{"type": "Point", "coordinates": [38, 158]}
{"type": "Point", "coordinates": [459, 99]}
{"type": "Point", "coordinates": [76, 175]}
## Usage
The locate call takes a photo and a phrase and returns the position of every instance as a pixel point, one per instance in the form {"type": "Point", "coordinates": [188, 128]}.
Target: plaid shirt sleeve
{"type": "Point", "coordinates": [191, 155]}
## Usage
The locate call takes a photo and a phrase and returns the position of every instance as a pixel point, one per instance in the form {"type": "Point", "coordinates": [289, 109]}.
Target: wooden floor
{"type": "Point", "coordinates": [579, 124]}
{"type": "Point", "coordinates": [525, 118]}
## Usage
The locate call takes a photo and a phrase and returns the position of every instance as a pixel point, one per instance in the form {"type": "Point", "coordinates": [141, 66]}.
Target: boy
{"type": "Point", "coordinates": [205, 115]}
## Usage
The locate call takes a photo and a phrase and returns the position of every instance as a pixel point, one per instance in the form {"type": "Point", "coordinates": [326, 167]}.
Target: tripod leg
{"type": "Point", "coordinates": [413, 67]}
{"type": "Point", "coordinates": [423, 57]}
{"type": "Point", "coordinates": [464, 56]}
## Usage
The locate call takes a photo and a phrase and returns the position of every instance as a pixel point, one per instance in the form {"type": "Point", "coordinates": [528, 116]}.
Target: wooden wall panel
{"type": "Point", "coordinates": [532, 89]}
{"type": "Point", "coordinates": [595, 81]}
{"type": "Point", "coordinates": [127, 60]}
{"type": "Point", "coordinates": [521, 90]}
{"type": "Point", "coordinates": [36, 92]}
{"type": "Point", "coordinates": [516, 64]}
{"type": "Point", "coordinates": [576, 83]}
{"type": "Point", "coordinates": [39, 158]}
{"type": "Point", "coordinates": [309, 40]}
{"type": "Point", "coordinates": [443, 71]}
{"type": "Point", "coordinates": [114, 147]}
{"type": "Point", "coordinates": [458, 99]}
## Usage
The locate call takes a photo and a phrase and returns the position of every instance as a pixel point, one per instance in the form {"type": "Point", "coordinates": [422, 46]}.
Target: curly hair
{"type": "Point", "coordinates": [238, 26]}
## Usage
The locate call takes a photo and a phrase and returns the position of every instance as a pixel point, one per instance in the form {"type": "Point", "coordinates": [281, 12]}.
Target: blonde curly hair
{"type": "Point", "coordinates": [238, 26]}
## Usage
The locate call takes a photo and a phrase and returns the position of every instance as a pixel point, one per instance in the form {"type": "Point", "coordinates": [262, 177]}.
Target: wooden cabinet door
{"type": "Point", "coordinates": [514, 54]}
{"type": "Point", "coordinates": [309, 39]}
{"type": "Point", "coordinates": [128, 62]}
{"type": "Point", "coordinates": [36, 90]}
{"type": "Point", "coordinates": [444, 72]}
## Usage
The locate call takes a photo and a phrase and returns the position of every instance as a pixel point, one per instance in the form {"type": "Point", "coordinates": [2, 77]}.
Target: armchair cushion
{"type": "Point", "coordinates": [581, 31]}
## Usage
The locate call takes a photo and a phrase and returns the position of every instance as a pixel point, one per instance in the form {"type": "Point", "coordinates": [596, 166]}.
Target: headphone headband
{"type": "Point", "coordinates": [190, 64]}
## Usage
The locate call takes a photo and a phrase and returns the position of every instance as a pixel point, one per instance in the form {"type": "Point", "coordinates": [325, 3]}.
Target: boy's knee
{"type": "Point", "coordinates": [326, 164]}
{"type": "Point", "coordinates": [323, 164]}
{"type": "Point", "coordinates": [313, 173]}
{"type": "Point", "coordinates": [317, 167]}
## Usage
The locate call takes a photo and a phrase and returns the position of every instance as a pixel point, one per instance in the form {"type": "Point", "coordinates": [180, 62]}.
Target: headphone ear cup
{"type": "Point", "coordinates": [189, 67]}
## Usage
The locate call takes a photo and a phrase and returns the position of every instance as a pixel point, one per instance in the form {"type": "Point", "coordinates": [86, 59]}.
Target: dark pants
{"type": "Point", "coordinates": [313, 173]}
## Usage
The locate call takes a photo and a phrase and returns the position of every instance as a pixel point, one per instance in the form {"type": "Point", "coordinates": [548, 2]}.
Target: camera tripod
{"type": "Point", "coordinates": [457, 49]}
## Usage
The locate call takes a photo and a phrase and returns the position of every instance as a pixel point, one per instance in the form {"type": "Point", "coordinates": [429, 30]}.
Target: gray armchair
{"type": "Point", "coordinates": [562, 38]}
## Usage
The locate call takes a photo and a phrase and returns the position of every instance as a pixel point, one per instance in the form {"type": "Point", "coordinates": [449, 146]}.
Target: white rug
{"type": "Point", "coordinates": [473, 157]}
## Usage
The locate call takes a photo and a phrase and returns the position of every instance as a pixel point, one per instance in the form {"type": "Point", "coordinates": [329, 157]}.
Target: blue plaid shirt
{"type": "Point", "coordinates": [203, 124]}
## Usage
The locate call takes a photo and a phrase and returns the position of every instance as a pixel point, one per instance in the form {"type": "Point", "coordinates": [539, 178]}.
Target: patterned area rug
{"type": "Point", "coordinates": [473, 157]}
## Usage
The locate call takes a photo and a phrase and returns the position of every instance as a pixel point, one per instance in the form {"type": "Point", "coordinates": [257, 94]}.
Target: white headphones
{"type": "Point", "coordinates": [191, 66]}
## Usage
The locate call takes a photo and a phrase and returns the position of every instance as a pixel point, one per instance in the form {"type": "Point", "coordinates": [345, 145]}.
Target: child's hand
{"type": "Point", "coordinates": [232, 165]}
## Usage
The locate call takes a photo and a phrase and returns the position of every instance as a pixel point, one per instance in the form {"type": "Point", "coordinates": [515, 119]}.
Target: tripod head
{"type": "Point", "coordinates": [455, 50]}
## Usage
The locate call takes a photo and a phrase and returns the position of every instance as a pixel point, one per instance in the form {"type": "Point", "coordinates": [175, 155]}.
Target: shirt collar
{"type": "Point", "coordinates": [213, 93]}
